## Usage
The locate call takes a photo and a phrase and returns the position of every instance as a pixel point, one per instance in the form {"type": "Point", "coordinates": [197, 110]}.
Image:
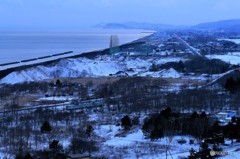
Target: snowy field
{"type": "Point", "coordinates": [135, 144]}
{"type": "Point", "coordinates": [232, 58]}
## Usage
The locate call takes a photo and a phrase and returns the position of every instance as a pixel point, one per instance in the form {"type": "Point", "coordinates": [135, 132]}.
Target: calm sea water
{"type": "Point", "coordinates": [15, 46]}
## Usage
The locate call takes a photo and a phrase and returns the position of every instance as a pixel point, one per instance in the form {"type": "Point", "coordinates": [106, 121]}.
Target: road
{"type": "Point", "coordinates": [192, 49]}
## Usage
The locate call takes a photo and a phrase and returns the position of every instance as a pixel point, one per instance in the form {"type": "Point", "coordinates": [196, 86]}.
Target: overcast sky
{"type": "Point", "coordinates": [73, 14]}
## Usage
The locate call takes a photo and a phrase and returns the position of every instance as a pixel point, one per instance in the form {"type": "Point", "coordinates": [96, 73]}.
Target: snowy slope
{"type": "Point", "coordinates": [165, 73]}
{"type": "Point", "coordinates": [135, 143]}
{"type": "Point", "coordinates": [99, 67]}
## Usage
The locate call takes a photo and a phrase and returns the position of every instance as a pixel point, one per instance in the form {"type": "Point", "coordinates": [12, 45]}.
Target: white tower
{"type": "Point", "coordinates": [114, 41]}
{"type": "Point", "coordinates": [114, 44]}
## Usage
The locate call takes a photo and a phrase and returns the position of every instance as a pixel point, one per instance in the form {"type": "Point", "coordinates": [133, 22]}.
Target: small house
{"type": "Point", "coordinates": [226, 116]}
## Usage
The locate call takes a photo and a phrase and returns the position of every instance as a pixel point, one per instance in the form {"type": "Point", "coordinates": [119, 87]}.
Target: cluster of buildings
{"type": "Point", "coordinates": [225, 117]}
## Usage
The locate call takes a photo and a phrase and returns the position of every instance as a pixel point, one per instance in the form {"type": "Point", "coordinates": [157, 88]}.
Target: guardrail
{"type": "Point", "coordinates": [10, 63]}
{"type": "Point", "coordinates": [35, 59]}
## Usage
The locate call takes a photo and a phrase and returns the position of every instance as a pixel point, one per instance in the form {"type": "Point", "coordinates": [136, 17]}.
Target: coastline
{"type": "Point", "coordinates": [19, 46]}
{"type": "Point", "coordinates": [29, 63]}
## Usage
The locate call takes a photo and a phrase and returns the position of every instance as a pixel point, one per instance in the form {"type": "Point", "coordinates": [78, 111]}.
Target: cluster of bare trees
{"type": "Point", "coordinates": [146, 94]}
{"type": "Point", "coordinates": [20, 132]}
{"type": "Point", "coordinates": [133, 94]}
{"type": "Point", "coordinates": [28, 131]}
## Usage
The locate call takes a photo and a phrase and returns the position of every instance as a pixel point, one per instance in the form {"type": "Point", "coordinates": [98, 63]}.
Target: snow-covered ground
{"type": "Point", "coordinates": [135, 141]}
{"type": "Point", "coordinates": [165, 73]}
{"type": "Point", "coordinates": [99, 67]}
{"type": "Point", "coordinates": [232, 155]}
{"type": "Point", "coordinates": [237, 41]}
{"type": "Point", "coordinates": [232, 58]}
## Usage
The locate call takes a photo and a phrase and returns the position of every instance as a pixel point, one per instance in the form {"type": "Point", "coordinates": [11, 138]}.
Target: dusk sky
{"type": "Point", "coordinates": [74, 14]}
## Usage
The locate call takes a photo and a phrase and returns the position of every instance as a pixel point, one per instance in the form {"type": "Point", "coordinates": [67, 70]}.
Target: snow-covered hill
{"type": "Point", "coordinates": [99, 67]}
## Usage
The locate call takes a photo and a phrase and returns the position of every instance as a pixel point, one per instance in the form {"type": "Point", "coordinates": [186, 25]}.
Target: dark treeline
{"type": "Point", "coordinates": [196, 65]}
{"type": "Point", "coordinates": [168, 124]}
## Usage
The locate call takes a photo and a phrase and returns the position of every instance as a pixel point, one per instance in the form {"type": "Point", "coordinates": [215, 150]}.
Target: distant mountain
{"type": "Point", "coordinates": [134, 25]}
{"type": "Point", "coordinates": [227, 25]}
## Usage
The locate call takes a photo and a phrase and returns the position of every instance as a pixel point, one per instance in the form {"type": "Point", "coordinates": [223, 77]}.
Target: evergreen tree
{"type": "Point", "coordinates": [28, 156]}
{"type": "Point", "coordinates": [60, 156]}
{"type": "Point", "coordinates": [194, 115]}
{"type": "Point", "coordinates": [157, 133]}
{"type": "Point", "coordinates": [46, 127]}
{"type": "Point", "coordinates": [89, 130]}
{"type": "Point", "coordinates": [166, 112]}
{"type": "Point", "coordinates": [231, 85]}
{"type": "Point", "coordinates": [216, 128]}
{"type": "Point", "coordinates": [58, 83]}
{"type": "Point", "coordinates": [203, 115]}
{"type": "Point", "coordinates": [55, 145]}
{"type": "Point", "coordinates": [19, 156]}
{"type": "Point", "coordinates": [126, 122]}
{"type": "Point", "coordinates": [153, 127]}
{"type": "Point", "coordinates": [181, 66]}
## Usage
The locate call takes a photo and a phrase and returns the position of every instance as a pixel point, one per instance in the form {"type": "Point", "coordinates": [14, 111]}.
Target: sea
{"type": "Point", "coordinates": [17, 46]}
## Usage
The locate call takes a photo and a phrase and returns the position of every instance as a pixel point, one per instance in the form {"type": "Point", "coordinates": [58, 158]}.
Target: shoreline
{"type": "Point", "coordinates": [31, 45]}
{"type": "Point", "coordinates": [29, 63]}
